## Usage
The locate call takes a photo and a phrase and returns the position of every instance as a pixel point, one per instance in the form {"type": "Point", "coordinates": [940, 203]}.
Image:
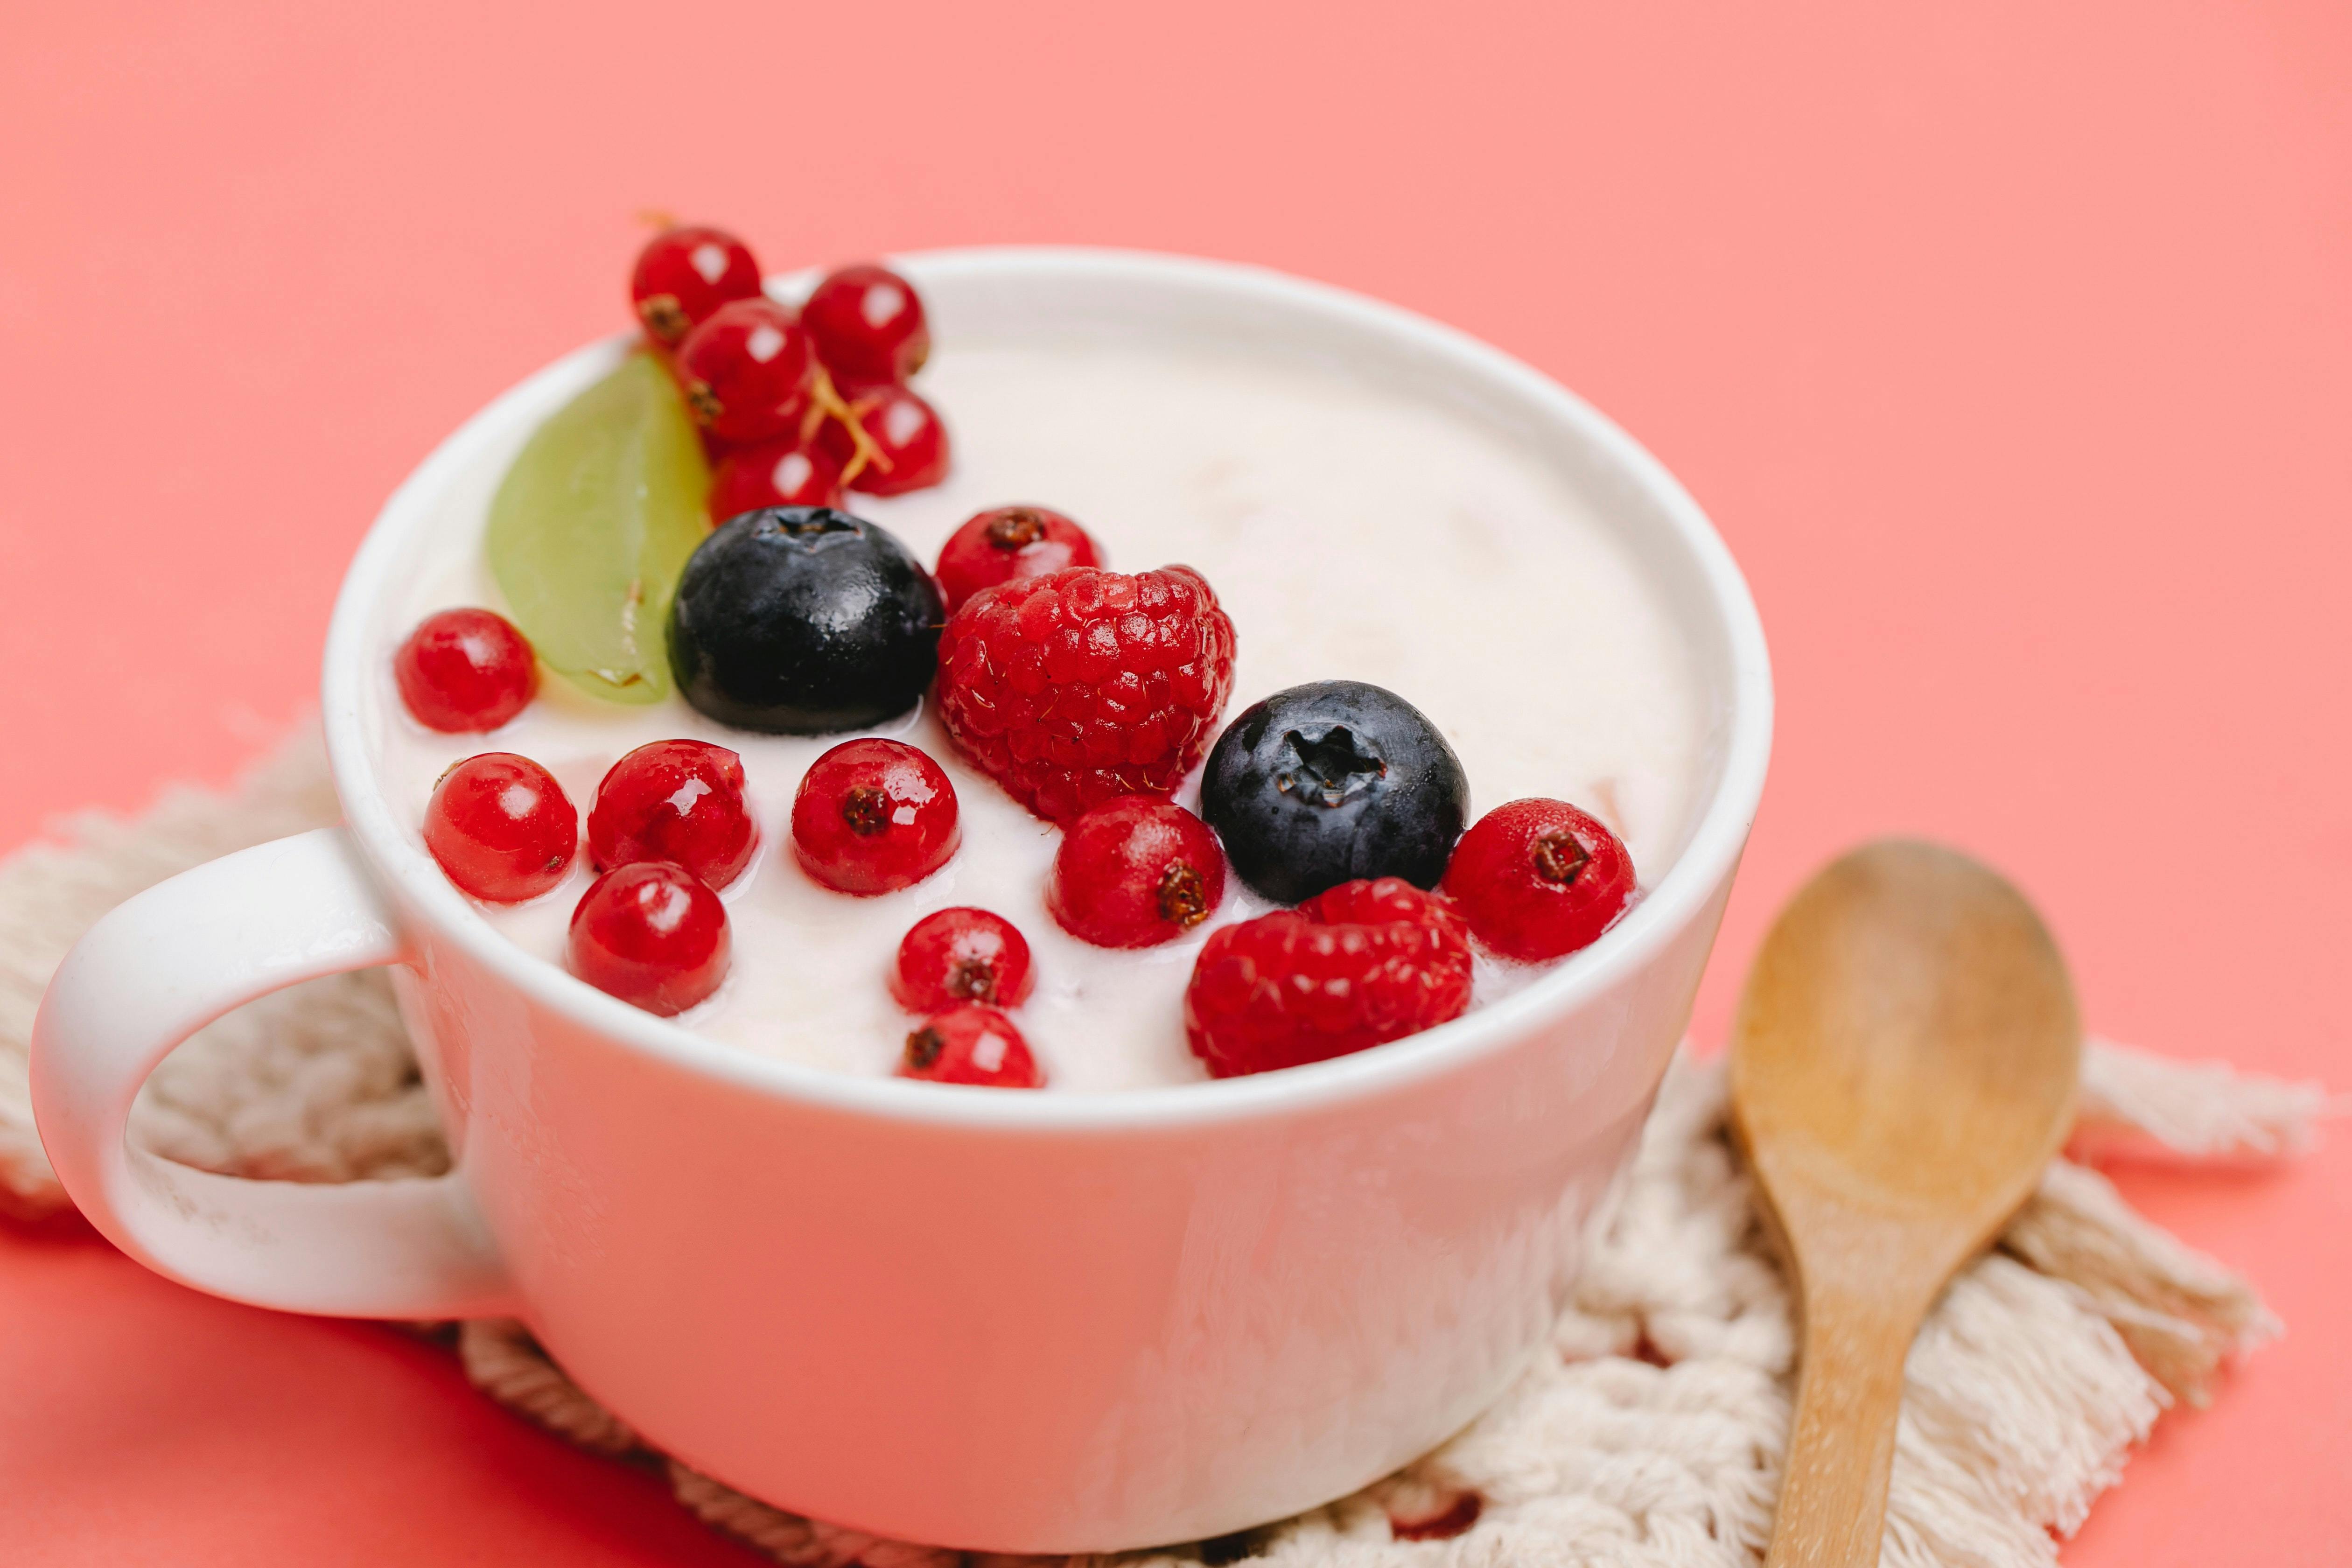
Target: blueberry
{"type": "Point", "coordinates": [802, 620]}
{"type": "Point", "coordinates": [1332, 781]}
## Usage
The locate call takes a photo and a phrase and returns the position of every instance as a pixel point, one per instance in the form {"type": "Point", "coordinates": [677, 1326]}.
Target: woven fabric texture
{"type": "Point", "coordinates": [1646, 1433]}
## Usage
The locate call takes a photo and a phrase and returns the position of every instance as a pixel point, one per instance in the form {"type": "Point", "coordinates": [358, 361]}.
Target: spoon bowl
{"type": "Point", "coordinates": [1903, 1069]}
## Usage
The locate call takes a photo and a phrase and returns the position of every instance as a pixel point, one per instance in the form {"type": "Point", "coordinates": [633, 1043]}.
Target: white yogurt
{"type": "Point", "coordinates": [1352, 532]}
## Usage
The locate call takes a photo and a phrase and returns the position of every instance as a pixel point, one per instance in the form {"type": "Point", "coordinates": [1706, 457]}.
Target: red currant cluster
{"type": "Point", "coordinates": [795, 406]}
{"type": "Point", "coordinates": [669, 829]}
{"type": "Point", "coordinates": [873, 817]}
{"type": "Point", "coordinates": [961, 968]}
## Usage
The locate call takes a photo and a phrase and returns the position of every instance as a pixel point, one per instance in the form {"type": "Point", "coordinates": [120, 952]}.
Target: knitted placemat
{"type": "Point", "coordinates": [1647, 1432]}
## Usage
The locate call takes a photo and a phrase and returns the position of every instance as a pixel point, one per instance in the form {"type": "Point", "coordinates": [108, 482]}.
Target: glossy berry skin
{"type": "Point", "coordinates": [874, 816]}
{"type": "Point", "coordinates": [782, 472]}
{"type": "Point", "coordinates": [1331, 782]}
{"type": "Point", "coordinates": [680, 801]}
{"type": "Point", "coordinates": [868, 326]}
{"type": "Point", "coordinates": [1360, 964]}
{"type": "Point", "coordinates": [1010, 541]}
{"type": "Point", "coordinates": [957, 955]}
{"type": "Point", "coordinates": [748, 372]}
{"type": "Point", "coordinates": [1134, 872]}
{"type": "Point", "coordinates": [1082, 685]}
{"type": "Point", "coordinates": [1538, 880]}
{"type": "Point", "coordinates": [465, 671]}
{"type": "Point", "coordinates": [973, 1044]}
{"type": "Point", "coordinates": [651, 933]}
{"type": "Point", "coordinates": [803, 621]}
{"type": "Point", "coordinates": [684, 275]}
{"type": "Point", "coordinates": [912, 444]}
{"type": "Point", "coordinates": [501, 828]}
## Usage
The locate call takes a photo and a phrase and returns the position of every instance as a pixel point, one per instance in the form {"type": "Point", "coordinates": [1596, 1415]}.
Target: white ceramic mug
{"type": "Point", "coordinates": [1002, 1321]}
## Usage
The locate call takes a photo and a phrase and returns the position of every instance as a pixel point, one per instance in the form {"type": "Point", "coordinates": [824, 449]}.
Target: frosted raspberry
{"type": "Point", "coordinates": [1082, 685]}
{"type": "Point", "coordinates": [1365, 963]}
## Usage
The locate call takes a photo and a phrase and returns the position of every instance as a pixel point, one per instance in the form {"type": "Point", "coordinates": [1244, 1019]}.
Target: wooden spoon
{"type": "Point", "coordinates": [1903, 1069]}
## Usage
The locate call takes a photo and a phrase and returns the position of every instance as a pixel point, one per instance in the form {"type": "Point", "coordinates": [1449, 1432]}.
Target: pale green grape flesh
{"type": "Point", "coordinates": [592, 526]}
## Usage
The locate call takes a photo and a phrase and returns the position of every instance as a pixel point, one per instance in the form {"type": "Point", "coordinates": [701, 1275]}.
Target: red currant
{"type": "Point", "coordinates": [685, 274]}
{"type": "Point", "coordinates": [868, 326]}
{"type": "Point", "coordinates": [748, 372]}
{"type": "Point", "coordinates": [972, 1044]}
{"type": "Point", "coordinates": [1008, 543]}
{"type": "Point", "coordinates": [910, 444]}
{"type": "Point", "coordinates": [680, 801]}
{"type": "Point", "coordinates": [651, 933]}
{"type": "Point", "coordinates": [465, 670]}
{"type": "Point", "coordinates": [1134, 872]}
{"type": "Point", "coordinates": [959, 955]}
{"type": "Point", "coordinates": [502, 828]}
{"type": "Point", "coordinates": [873, 817]}
{"type": "Point", "coordinates": [782, 472]}
{"type": "Point", "coordinates": [1538, 878]}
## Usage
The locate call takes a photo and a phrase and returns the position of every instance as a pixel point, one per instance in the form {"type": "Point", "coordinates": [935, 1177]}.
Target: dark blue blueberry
{"type": "Point", "coordinates": [802, 620]}
{"type": "Point", "coordinates": [1332, 781]}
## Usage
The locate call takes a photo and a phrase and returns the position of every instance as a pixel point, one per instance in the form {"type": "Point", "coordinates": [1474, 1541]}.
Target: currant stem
{"type": "Point", "coordinates": [824, 403]}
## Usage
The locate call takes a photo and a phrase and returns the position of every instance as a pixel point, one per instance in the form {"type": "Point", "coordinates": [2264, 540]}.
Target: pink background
{"type": "Point", "coordinates": [2010, 345]}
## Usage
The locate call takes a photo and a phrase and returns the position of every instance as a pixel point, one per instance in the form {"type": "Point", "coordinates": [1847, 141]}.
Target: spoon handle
{"type": "Point", "coordinates": [1842, 1436]}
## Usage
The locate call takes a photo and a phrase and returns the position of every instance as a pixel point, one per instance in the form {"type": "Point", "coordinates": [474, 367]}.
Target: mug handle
{"type": "Point", "coordinates": [157, 969]}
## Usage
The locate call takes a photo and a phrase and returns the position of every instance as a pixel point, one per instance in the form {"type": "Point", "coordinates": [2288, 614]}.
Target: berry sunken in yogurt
{"type": "Point", "coordinates": [1094, 711]}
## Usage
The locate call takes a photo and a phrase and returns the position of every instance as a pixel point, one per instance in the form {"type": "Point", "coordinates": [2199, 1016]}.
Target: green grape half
{"type": "Point", "coordinates": [592, 526]}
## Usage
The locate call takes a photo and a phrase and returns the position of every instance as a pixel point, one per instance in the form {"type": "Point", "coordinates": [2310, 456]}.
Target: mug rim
{"type": "Point", "coordinates": [1706, 863]}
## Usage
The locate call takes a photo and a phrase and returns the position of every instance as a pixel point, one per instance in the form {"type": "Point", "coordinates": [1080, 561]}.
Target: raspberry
{"type": "Point", "coordinates": [961, 954]}
{"type": "Point", "coordinates": [1538, 878]}
{"type": "Point", "coordinates": [1134, 872]}
{"type": "Point", "coordinates": [1363, 964]}
{"type": "Point", "coordinates": [1082, 685]}
{"type": "Point", "coordinates": [972, 1044]}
